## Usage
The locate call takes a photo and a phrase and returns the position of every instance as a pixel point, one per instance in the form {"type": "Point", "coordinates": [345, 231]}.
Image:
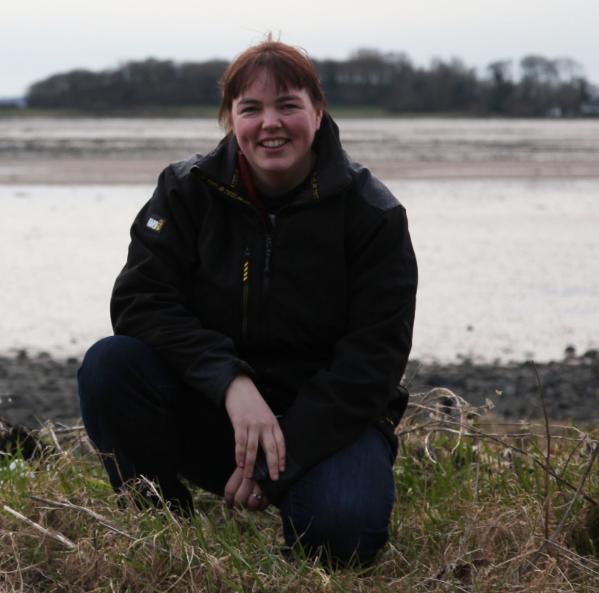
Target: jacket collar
{"type": "Point", "coordinates": [332, 170]}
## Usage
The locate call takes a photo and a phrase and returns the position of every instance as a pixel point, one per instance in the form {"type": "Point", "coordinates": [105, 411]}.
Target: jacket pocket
{"type": "Point", "coordinates": [245, 292]}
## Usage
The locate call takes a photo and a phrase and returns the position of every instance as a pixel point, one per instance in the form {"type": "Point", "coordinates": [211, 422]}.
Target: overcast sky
{"type": "Point", "coordinates": [42, 37]}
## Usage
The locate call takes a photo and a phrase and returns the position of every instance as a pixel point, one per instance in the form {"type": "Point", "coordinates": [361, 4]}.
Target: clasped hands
{"type": "Point", "coordinates": [255, 426]}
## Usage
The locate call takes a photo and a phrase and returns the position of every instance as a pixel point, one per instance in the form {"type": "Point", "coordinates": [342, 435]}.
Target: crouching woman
{"type": "Point", "coordinates": [263, 321]}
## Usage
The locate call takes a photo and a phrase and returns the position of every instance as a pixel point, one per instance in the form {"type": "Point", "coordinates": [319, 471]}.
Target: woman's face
{"type": "Point", "coordinates": [275, 130]}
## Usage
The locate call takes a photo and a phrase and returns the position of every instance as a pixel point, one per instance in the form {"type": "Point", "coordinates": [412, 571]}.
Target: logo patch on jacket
{"type": "Point", "coordinates": [155, 223]}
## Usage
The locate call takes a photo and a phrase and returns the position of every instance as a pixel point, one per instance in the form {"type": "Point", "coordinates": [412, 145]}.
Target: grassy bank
{"type": "Point", "coordinates": [482, 507]}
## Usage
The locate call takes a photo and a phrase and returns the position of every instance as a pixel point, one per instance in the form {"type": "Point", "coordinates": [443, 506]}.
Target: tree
{"type": "Point", "coordinates": [502, 87]}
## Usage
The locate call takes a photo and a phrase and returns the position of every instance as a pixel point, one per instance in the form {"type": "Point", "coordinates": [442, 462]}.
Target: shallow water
{"type": "Point", "coordinates": [508, 269]}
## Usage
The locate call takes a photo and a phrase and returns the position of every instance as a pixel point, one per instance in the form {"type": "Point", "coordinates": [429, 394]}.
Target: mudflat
{"type": "Point", "coordinates": [36, 388]}
{"type": "Point", "coordinates": [133, 151]}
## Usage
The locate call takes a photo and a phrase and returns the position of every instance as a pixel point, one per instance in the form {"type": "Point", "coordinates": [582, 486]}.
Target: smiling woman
{"type": "Point", "coordinates": [273, 105]}
{"type": "Point", "coordinates": [275, 131]}
{"type": "Point", "coordinates": [263, 321]}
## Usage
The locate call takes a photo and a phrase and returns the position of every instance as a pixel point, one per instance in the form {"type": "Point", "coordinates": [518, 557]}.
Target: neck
{"type": "Point", "coordinates": [282, 182]}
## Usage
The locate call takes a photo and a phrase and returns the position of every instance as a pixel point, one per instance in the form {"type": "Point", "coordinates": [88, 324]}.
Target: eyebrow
{"type": "Point", "coordinates": [280, 99]}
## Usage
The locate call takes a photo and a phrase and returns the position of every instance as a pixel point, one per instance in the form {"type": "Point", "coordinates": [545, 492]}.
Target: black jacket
{"type": "Point", "coordinates": [318, 309]}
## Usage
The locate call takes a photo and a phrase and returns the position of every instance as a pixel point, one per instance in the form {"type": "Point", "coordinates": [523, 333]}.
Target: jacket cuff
{"type": "Point", "coordinates": [216, 390]}
{"type": "Point", "coordinates": [275, 490]}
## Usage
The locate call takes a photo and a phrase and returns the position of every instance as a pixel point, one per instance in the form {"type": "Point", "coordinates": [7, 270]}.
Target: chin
{"type": "Point", "coordinates": [276, 168]}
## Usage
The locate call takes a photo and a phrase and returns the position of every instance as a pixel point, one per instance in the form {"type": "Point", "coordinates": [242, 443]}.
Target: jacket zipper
{"type": "Point", "coordinates": [267, 261]}
{"type": "Point", "coordinates": [245, 279]}
{"type": "Point", "coordinates": [246, 255]}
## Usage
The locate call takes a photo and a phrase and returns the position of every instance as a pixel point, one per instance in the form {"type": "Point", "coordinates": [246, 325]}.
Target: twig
{"type": "Point", "coordinates": [68, 505]}
{"type": "Point", "coordinates": [14, 549]}
{"type": "Point", "coordinates": [581, 484]}
{"type": "Point", "coordinates": [69, 429]}
{"type": "Point", "coordinates": [519, 557]}
{"type": "Point", "coordinates": [570, 456]}
{"type": "Point", "coordinates": [414, 428]}
{"type": "Point", "coordinates": [547, 501]}
{"type": "Point", "coordinates": [154, 490]}
{"type": "Point", "coordinates": [54, 438]}
{"type": "Point", "coordinates": [426, 447]}
{"type": "Point", "coordinates": [50, 533]}
{"type": "Point", "coordinates": [583, 562]}
{"type": "Point", "coordinates": [474, 432]}
{"type": "Point", "coordinates": [103, 521]}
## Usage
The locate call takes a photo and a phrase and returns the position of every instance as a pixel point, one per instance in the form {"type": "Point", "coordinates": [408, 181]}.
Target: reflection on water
{"type": "Point", "coordinates": [508, 269]}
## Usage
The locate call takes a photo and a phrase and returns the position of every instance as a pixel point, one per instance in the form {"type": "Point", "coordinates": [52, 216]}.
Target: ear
{"type": "Point", "coordinates": [319, 114]}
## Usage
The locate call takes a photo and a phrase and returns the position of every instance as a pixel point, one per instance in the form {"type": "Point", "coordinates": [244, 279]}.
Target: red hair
{"type": "Point", "coordinates": [289, 66]}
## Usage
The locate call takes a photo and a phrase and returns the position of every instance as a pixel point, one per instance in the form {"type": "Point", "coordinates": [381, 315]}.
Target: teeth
{"type": "Point", "coordinates": [273, 143]}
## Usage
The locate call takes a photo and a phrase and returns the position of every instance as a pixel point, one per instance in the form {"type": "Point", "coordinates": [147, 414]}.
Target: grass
{"type": "Point", "coordinates": [482, 507]}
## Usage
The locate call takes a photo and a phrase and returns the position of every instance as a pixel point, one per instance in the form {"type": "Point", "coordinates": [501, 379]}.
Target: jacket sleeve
{"type": "Point", "coordinates": [340, 402]}
{"type": "Point", "coordinates": [151, 296]}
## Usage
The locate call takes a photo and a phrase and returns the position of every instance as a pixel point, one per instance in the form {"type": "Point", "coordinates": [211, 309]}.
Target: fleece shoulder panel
{"type": "Point", "coordinates": [371, 190]}
{"type": "Point", "coordinates": [182, 169]}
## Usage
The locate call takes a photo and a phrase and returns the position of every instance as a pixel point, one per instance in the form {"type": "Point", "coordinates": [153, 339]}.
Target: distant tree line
{"type": "Point", "coordinates": [368, 78]}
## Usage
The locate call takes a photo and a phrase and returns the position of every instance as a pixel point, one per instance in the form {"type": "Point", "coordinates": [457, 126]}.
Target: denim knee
{"type": "Point", "coordinates": [126, 395]}
{"type": "Point", "coordinates": [342, 506]}
{"type": "Point", "coordinates": [106, 365]}
{"type": "Point", "coordinates": [341, 534]}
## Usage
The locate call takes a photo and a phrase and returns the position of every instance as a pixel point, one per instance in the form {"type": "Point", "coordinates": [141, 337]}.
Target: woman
{"type": "Point", "coordinates": [263, 321]}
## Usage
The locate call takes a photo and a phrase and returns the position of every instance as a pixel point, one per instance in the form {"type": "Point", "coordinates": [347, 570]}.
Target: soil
{"type": "Point", "coordinates": [36, 388]}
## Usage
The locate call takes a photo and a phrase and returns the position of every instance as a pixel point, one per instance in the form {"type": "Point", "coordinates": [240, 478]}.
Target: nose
{"type": "Point", "coordinates": [271, 119]}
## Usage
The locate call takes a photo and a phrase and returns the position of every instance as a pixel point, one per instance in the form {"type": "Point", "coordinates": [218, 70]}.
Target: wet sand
{"type": "Point", "coordinates": [135, 170]}
{"type": "Point", "coordinates": [38, 388]}
{"type": "Point", "coordinates": [133, 151]}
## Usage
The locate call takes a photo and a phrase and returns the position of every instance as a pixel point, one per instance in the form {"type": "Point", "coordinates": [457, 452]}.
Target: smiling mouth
{"type": "Point", "coordinates": [277, 143]}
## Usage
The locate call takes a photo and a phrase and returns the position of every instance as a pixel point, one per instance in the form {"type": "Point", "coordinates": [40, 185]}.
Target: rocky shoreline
{"type": "Point", "coordinates": [36, 388]}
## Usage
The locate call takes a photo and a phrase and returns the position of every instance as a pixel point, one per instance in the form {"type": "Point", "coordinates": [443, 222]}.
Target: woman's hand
{"type": "Point", "coordinates": [254, 425]}
{"type": "Point", "coordinates": [240, 491]}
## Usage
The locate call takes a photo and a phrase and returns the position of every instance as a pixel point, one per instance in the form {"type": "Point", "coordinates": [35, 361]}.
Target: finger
{"type": "Point", "coordinates": [243, 493]}
{"type": "Point", "coordinates": [250, 453]}
{"type": "Point", "coordinates": [280, 441]}
{"type": "Point", "coordinates": [232, 486]}
{"type": "Point", "coordinates": [271, 452]}
{"type": "Point", "coordinates": [241, 438]}
{"type": "Point", "coordinates": [261, 500]}
{"type": "Point", "coordinates": [255, 500]}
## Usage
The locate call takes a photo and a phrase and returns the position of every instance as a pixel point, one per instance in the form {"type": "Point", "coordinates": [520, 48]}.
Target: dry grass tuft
{"type": "Point", "coordinates": [483, 506]}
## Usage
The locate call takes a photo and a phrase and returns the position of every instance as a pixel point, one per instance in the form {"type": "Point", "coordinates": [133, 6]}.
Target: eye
{"type": "Point", "coordinates": [248, 109]}
{"type": "Point", "coordinates": [290, 106]}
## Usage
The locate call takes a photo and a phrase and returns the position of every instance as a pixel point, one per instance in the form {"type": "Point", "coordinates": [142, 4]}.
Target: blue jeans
{"type": "Point", "coordinates": [144, 421]}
